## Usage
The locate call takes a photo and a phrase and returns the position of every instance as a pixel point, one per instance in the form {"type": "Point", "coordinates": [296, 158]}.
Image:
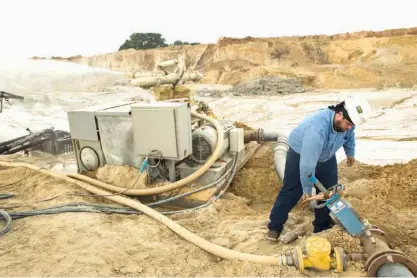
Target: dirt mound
{"type": "Point", "coordinates": [122, 176]}
{"type": "Point", "coordinates": [257, 180]}
{"type": "Point", "coordinates": [264, 86]}
{"type": "Point", "coordinates": [391, 201]}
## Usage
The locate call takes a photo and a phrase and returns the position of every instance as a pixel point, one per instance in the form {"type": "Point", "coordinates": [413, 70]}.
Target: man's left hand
{"type": "Point", "coordinates": [350, 161]}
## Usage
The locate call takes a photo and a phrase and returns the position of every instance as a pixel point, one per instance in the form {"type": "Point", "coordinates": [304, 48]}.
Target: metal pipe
{"type": "Point", "coordinates": [252, 135]}
{"type": "Point", "coordinates": [24, 147]}
{"type": "Point", "coordinates": [150, 80]}
{"type": "Point", "coordinates": [375, 242]}
{"type": "Point", "coordinates": [260, 136]}
{"type": "Point", "coordinates": [280, 148]}
{"type": "Point", "coordinates": [12, 140]}
{"type": "Point", "coordinates": [270, 136]}
{"type": "Point", "coordinates": [393, 270]}
{"type": "Point", "coordinates": [280, 155]}
{"type": "Point", "coordinates": [146, 81]}
{"type": "Point", "coordinates": [169, 63]}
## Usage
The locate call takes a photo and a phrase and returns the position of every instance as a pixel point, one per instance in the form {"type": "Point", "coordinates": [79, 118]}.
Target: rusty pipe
{"type": "Point", "coordinates": [356, 257]}
{"type": "Point", "coordinates": [280, 147]}
{"type": "Point", "coordinates": [382, 260]}
{"type": "Point", "coordinates": [252, 135]}
{"type": "Point", "coordinates": [260, 136]}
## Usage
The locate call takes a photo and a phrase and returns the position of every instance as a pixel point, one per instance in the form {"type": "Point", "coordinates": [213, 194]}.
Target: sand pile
{"type": "Point", "coordinates": [122, 176]}
{"type": "Point", "coordinates": [264, 86]}
{"type": "Point", "coordinates": [97, 244]}
{"type": "Point", "coordinates": [257, 180]}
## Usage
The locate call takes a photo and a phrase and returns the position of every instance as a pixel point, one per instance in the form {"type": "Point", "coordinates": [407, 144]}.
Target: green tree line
{"type": "Point", "coordinates": [149, 41]}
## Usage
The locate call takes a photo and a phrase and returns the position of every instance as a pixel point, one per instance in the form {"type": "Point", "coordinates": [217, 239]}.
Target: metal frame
{"type": "Point", "coordinates": [5, 97]}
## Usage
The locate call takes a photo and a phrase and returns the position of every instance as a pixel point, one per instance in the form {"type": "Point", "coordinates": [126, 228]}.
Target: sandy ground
{"type": "Point", "coordinates": [98, 244]}
{"type": "Point", "coordinates": [93, 244]}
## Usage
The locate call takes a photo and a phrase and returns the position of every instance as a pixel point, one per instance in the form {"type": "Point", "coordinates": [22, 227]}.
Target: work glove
{"type": "Point", "coordinates": [350, 161]}
{"type": "Point", "coordinates": [303, 202]}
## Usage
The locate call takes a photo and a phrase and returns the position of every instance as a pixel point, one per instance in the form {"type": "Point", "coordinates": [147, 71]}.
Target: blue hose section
{"type": "Point", "coordinates": [144, 165]}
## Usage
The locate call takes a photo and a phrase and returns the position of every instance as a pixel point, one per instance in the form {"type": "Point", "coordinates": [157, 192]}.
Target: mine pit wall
{"type": "Point", "coordinates": [364, 59]}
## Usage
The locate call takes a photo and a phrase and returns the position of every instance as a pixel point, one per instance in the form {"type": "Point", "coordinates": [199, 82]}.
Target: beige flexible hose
{"type": "Point", "coordinates": [181, 231]}
{"type": "Point", "coordinates": [150, 191]}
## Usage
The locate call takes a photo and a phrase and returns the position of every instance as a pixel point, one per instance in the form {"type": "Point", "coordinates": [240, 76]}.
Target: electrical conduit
{"type": "Point", "coordinates": [151, 191]}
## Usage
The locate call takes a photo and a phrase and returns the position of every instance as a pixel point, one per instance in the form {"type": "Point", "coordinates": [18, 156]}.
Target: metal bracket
{"type": "Point", "coordinates": [5, 97]}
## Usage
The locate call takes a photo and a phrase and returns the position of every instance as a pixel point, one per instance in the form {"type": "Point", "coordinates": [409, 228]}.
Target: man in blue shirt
{"type": "Point", "coordinates": [312, 148]}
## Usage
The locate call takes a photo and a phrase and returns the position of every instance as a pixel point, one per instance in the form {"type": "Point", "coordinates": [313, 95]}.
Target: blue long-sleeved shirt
{"type": "Point", "coordinates": [316, 141]}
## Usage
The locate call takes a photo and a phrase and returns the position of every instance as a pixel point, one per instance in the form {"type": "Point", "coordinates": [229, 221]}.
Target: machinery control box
{"type": "Point", "coordinates": [162, 129]}
{"type": "Point", "coordinates": [237, 140]}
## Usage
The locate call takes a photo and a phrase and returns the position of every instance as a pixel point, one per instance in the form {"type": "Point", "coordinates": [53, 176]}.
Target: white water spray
{"type": "Point", "coordinates": [51, 88]}
{"type": "Point", "coordinates": [46, 76]}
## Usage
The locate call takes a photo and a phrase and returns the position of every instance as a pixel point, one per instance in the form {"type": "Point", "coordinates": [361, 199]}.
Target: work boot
{"type": "Point", "coordinates": [273, 235]}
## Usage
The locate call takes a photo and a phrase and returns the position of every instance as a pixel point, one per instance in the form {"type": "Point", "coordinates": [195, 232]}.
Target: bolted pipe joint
{"type": "Point", "coordinates": [260, 136]}
{"type": "Point", "coordinates": [315, 254]}
{"type": "Point", "coordinates": [382, 260]}
{"type": "Point", "coordinates": [253, 135]}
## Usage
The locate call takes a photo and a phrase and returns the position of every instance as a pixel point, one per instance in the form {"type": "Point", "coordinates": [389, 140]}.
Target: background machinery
{"type": "Point", "coordinates": [176, 143]}
{"type": "Point", "coordinates": [165, 84]}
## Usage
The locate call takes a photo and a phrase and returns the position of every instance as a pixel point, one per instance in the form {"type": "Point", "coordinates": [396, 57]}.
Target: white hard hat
{"type": "Point", "coordinates": [358, 110]}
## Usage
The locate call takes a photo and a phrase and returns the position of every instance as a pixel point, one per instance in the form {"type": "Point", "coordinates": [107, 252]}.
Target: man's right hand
{"type": "Point", "coordinates": [319, 197]}
{"type": "Point", "coordinates": [304, 201]}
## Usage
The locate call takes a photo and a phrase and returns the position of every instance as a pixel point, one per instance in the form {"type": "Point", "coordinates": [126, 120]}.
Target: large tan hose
{"type": "Point", "coordinates": [150, 191]}
{"type": "Point", "coordinates": [181, 231]}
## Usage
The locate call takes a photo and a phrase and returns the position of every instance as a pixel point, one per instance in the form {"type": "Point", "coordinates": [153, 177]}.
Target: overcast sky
{"type": "Point", "coordinates": [87, 27]}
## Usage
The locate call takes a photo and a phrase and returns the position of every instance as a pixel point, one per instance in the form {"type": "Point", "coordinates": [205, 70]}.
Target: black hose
{"type": "Point", "coordinates": [205, 187]}
{"type": "Point", "coordinates": [8, 226]}
{"type": "Point", "coordinates": [6, 196]}
{"type": "Point", "coordinates": [218, 194]}
{"type": "Point", "coordinates": [72, 207]}
{"type": "Point", "coordinates": [83, 207]}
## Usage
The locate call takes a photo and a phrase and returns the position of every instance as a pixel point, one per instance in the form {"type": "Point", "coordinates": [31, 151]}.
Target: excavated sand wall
{"type": "Point", "coordinates": [363, 59]}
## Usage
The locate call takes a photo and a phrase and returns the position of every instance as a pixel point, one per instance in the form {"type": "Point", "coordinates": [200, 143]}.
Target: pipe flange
{"type": "Point", "coordinates": [298, 258]}
{"type": "Point", "coordinates": [254, 135]}
{"type": "Point", "coordinates": [375, 255]}
{"type": "Point", "coordinates": [392, 256]}
{"type": "Point", "coordinates": [381, 232]}
{"type": "Point", "coordinates": [378, 231]}
{"type": "Point", "coordinates": [341, 261]}
{"type": "Point", "coordinates": [260, 135]}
